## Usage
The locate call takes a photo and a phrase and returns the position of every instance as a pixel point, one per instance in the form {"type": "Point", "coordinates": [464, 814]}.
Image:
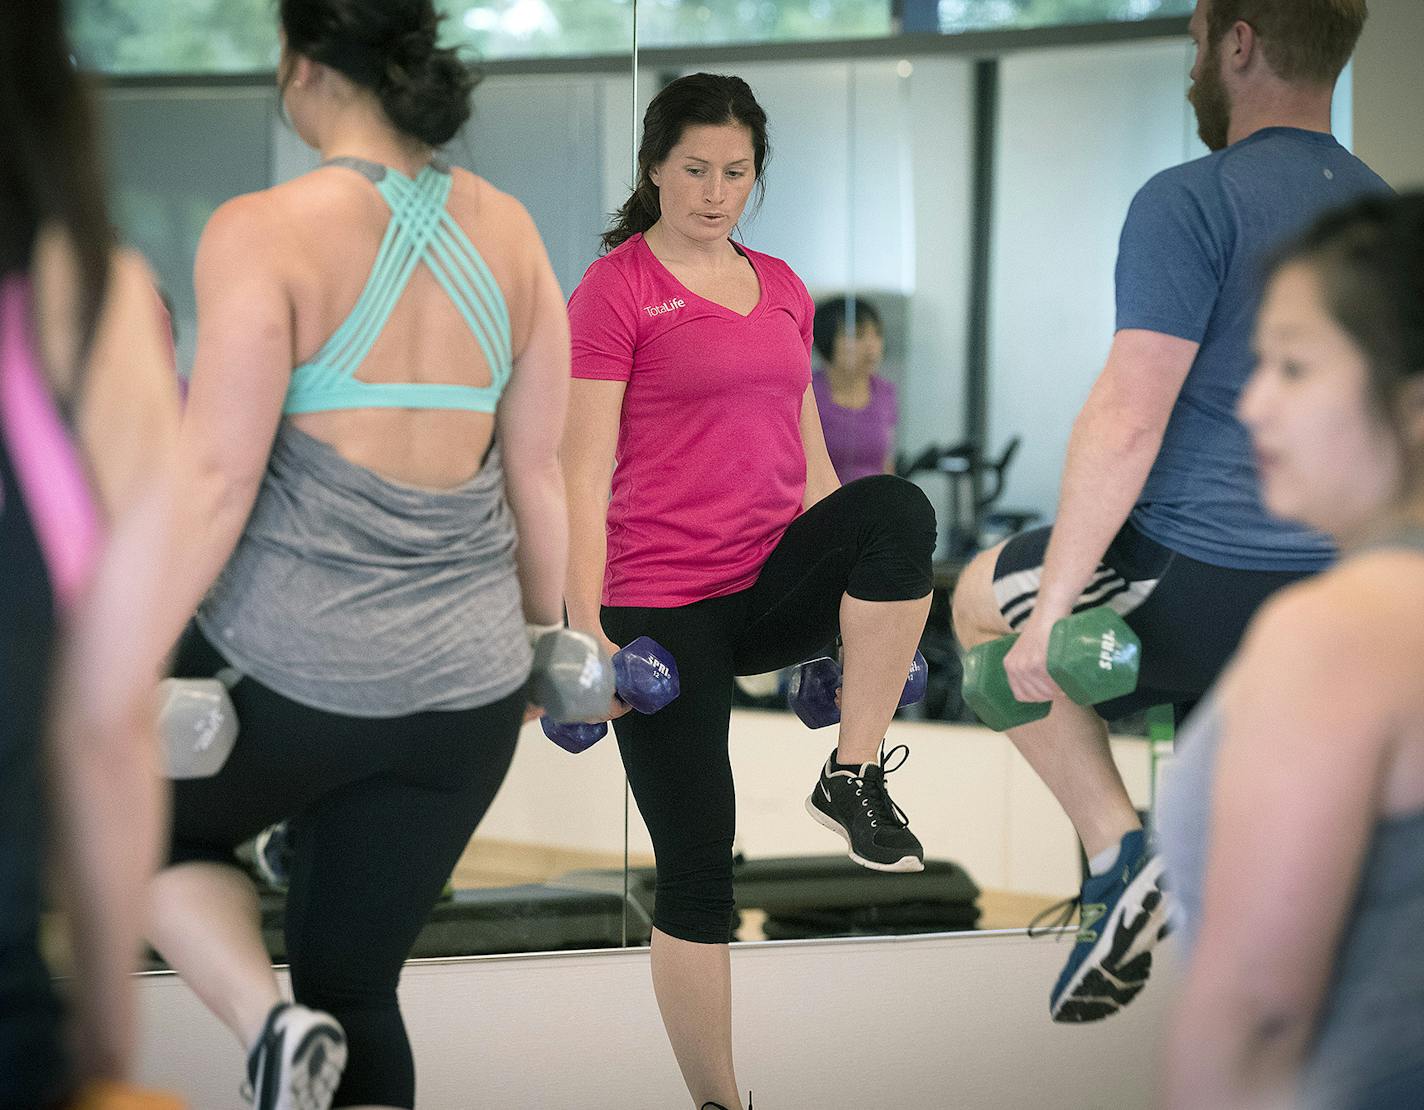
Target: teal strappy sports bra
{"type": "Point", "coordinates": [420, 230]}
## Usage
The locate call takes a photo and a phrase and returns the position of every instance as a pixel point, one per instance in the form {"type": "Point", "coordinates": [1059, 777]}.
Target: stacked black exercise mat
{"type": "Point", "coordinates": [484, 921]}
{"type": "Point", "coordinates": [802, 897]}
{"type": "Point", "coordinates": [827, 896]}
{"type": "Point", "coordinates": [831, 896]}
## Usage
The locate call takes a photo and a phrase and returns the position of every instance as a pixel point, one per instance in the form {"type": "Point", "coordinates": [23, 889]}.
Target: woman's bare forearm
{"type": "Point", "coordinates": [541, 518]}
{"type": "Point", "coordinates": [106, 782]}
{"type": "Point", "coordinates": [588, 554]}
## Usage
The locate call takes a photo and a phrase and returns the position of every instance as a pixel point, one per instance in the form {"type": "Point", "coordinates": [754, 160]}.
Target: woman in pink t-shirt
{"type": "Point", "coordinates": [704, 512]}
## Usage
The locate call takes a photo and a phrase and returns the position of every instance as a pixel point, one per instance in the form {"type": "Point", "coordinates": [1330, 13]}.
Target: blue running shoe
{"type": "Point", "coordinates": [1122, 916]}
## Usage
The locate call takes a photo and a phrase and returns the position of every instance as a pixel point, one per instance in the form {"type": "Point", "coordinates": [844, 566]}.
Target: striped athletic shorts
{"type": "Point", "coordinates": [1189, 615]}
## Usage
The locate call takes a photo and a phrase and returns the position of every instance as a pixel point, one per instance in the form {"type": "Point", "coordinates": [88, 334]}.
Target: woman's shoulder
{"type": "Point", "coordinates": [615, 272]}
{"type": "Point", "coordinates": [1383, 587]}
{"type": "Point", "coordinates": [773, 265]}
{"type": "Point", "coordinates": [55, 279]}
{"type": "Point", "coordinates": [1327, 603]}
{"type": "Point", "coordinates": [627, 256]}
{"type": "Point", "coordinates": [497, 222]}
{"type": "Point", "coordinates": [782, 283]}
{"type": "Point", "coordinates": [260, 222]}
{"type": "Point", "coordinates": [492, 203]}
{"type": "Point", "coordinates": [1331, 666]}
{"type": "Point", "coordinates": [1363, 619]}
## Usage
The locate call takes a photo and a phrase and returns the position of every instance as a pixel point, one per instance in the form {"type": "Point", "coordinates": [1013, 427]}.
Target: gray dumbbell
{"type": "Point", "coordinates": [572, 677]}
{"type": "Point", "coordinates": [198, 724]}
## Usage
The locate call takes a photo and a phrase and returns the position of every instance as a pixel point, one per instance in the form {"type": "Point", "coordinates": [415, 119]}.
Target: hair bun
{"type": "Point", "coordinates": [413, 49]}
{"type": "Point", "coordinates": [391, 47]}
{"type": "Point", "coordinates": [405, 57]}
{"type": "Point", "coordinates": [426, 90]}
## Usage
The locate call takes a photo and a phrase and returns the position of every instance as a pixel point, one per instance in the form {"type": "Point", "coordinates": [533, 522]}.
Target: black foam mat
{"type": "Point", "coordinates": [783, 885]}
{"type": "Point", "coordinates": [803, 896]}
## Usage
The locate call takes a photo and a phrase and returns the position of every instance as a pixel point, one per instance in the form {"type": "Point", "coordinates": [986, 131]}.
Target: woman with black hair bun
{"type": "Point", "coordinates": [391, 49]}
{"type": "Point", "coordinates": [374, 526]}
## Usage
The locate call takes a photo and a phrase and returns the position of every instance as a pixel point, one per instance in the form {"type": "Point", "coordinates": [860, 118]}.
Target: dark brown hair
{"type": "Point", "coordinates": [1370, 259]}
{"type": "Point", "coordinates": [699, 98]}
{"type": "Point", "coordinates": [1303, 40]}
{"type": "Point", "coordinates": [390, 47]}
{"type": "Point", "coordinates": [49, 159]}
{"type": "Point", "coordinates": [831, 318]}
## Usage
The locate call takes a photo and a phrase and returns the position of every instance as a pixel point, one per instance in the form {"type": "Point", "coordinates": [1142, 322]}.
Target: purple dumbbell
{"type": "Point", "coordinates": [812, 693]}
{"type": "Point", "coordinates": [646, 678]}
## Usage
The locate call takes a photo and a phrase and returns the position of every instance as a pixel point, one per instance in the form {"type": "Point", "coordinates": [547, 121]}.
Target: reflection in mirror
{"type": "Point", "coordinates": [868, 200]}
{"type": "Point", "coordinates": [871, 195]}
{"type": "Point", "coordinates": [558, 138]}
{"type": "Point", "coordinates": [886, 172]}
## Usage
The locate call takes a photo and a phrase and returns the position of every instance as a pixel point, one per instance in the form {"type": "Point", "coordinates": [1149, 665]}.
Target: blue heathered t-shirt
{"type": "Point", "coordinates": [1189, 265]}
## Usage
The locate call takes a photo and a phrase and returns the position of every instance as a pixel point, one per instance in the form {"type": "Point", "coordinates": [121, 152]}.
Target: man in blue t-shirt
{"type": "Point", "coordinates": [1159, 513]}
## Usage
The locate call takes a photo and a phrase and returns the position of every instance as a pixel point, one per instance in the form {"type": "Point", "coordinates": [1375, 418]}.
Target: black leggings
{"type": "Point", "coordinates": [380, 811]}
{"type": "Point", "coordinates": [872, 539]}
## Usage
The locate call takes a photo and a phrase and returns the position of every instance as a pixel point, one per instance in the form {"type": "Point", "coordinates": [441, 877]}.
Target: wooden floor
{"type": "Point", "coordinates": [1002, 909]}
{"type": "Point", "coordinates": [489, 862]}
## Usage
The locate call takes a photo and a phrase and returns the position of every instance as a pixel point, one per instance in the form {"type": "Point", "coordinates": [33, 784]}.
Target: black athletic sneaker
{"type": "Point", "coordinates": [856, 804]}
{"type": "Point", "coordinates": [297, 1061]}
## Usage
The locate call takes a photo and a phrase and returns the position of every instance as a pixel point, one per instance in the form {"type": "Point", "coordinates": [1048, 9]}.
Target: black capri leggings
{"type": "Point", "coordinates": [380, 811]}
{"type": "Point", "coordinates": [872, 539]}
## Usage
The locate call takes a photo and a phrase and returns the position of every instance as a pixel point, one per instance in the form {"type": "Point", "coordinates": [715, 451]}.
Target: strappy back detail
{"type": "Point", "coordinates": [421, 230]}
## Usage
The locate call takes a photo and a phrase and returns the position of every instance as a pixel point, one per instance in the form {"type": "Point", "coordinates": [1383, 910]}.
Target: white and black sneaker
{"type": "Point", "coordinates": [853, 801]}
{"type": "Point", "coordinates": [297, 1061]}
{"type": "Point", "coordinates": [272, 856]}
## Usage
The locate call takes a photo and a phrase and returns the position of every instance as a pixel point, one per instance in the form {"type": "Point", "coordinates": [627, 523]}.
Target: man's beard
{"type": "Point", "coordinates": [1212, 104]}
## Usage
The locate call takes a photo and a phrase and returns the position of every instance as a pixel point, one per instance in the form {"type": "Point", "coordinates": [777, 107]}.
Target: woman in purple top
{"type": "Point", "coordinates": [858, 407]}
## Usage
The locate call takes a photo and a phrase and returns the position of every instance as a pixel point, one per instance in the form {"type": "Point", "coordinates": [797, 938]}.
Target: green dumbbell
{"type": "Point", "coordinates": [1092, 655]}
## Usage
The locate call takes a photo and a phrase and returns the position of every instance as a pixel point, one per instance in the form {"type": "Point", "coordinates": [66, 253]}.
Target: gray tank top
{"type": "Point", "coordinates": [355, 594]}
{"type": "Point", "coordinates": [1369, 1046]}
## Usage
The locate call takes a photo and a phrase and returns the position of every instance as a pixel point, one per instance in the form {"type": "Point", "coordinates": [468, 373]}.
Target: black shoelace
{"type": "Point", "coordinates": [882, 807]}
{"type": "Point", "coordinates": [1065, 910]}
{"type": "Point", "coordinates": [266, 1041]}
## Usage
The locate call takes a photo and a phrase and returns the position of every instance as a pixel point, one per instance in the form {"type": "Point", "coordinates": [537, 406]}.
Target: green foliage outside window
{"type": "Point", "coordinates": [970, 15]}
{"type": "Point", "coordinates": [174, 36]}
{"type": "Point", "coordinates": [523, 27]}
{"type": "Point", "coordinates": [239, 36]}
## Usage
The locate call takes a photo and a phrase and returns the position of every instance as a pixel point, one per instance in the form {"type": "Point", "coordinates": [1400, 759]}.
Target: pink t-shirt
{"type": "Point", "coordinates": [48, 467]}
{"type": "Point", "coordinates": [710, 464]}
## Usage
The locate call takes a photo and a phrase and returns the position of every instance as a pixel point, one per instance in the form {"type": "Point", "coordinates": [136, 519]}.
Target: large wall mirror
{"type": "Point", "coordinates": [191, 111]}
{"type": "Point", "coordinates": [968, 186]}
{"type": "Point", "coordinates": [963, 167]}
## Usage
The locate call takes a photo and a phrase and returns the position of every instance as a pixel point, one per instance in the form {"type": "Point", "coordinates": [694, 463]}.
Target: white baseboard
{"type": "Point", "coordinates": [925, 1023]}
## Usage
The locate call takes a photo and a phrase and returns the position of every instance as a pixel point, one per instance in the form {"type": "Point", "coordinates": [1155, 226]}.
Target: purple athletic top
{"type": "Point", "coordinates": [858, 440]}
